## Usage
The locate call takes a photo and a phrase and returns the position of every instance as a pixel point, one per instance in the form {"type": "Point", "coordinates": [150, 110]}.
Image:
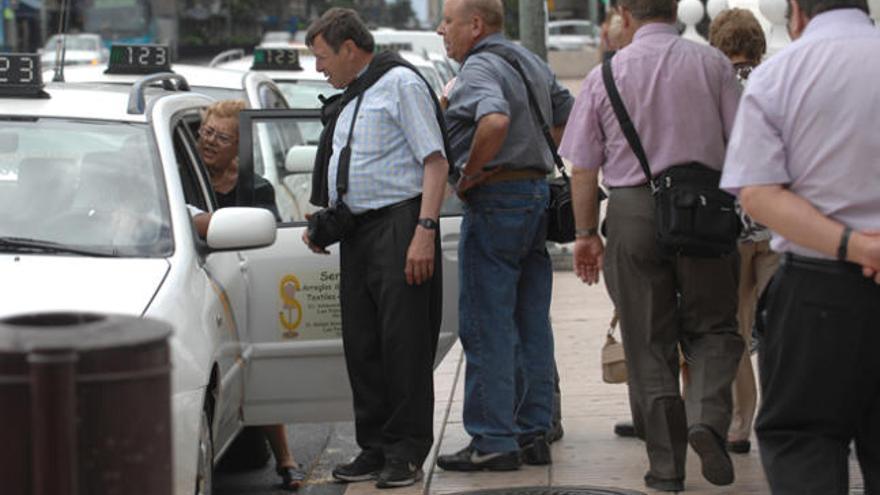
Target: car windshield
{"type": "Point", "coordinates": [82, 187]}
{"type": "Point", "coordinates": [304, 94]}
{"type": "Point", "coordinates": [72, 42]}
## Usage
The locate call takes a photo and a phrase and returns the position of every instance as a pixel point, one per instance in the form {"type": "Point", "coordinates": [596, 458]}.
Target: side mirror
{"type": "Point", "coordinates": [300, 159]}
{"type": "Point", "coordinates": [236, 228]}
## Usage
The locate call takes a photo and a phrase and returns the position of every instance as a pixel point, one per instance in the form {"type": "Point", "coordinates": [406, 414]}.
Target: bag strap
{"type": "Point", "coordinates": [612, 325]}
{"type": "Point", "coordinates": [345, 154]}
{"type": "Point", "coordinates": [629, 130]}
{"type": "Point", "coordinates": [533, 104]}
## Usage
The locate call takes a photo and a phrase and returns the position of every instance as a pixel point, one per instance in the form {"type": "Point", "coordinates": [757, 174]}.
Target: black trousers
{"type": "Point", "coordinates": [820, 378]}
{"type": "Point", "coordinates": [389, 333]}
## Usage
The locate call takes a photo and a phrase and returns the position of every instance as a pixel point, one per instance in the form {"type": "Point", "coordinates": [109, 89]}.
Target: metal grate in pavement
{"type": "Point", "coordinates": [552, 490]}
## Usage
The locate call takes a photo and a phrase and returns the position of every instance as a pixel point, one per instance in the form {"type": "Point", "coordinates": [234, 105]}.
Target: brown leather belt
{"type": "Point", "coordinates": [506, 175]}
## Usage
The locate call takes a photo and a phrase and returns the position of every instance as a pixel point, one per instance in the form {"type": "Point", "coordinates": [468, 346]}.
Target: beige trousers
{"type": "Point", "coordinates": [757, 265]}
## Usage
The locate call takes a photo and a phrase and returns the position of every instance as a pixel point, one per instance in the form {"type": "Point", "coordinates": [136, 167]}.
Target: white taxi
{"type": "Point", "coordinates": [292, 69]}
{"type": "Point", "coordinates": [95, 183]}
{"type": "Point", "coordinates": [257, 89]}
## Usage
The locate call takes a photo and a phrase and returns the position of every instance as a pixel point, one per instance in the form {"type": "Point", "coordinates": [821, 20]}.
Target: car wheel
{"type": "Point", "coordinates": [205, 465]}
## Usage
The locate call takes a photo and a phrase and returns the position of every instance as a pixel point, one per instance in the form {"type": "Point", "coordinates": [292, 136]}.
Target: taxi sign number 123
{"type": "Point", "coordinates": [17, 70]}
{"type": "Point", "coordinates": [139, 55]}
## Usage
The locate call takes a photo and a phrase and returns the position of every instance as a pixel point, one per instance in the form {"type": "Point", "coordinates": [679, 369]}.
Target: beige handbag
{"type": "Point", "coordinates": [613, 359]}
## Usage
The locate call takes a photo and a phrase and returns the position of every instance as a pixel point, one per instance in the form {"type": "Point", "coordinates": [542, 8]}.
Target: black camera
{"type": "Point", "coordinates": [330, 225]}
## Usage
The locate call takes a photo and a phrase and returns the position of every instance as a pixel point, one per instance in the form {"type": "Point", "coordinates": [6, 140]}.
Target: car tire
{"type": "Point", "coordinates": [205, 463]}
{"type": "Point", "coordinates": [249, 450]}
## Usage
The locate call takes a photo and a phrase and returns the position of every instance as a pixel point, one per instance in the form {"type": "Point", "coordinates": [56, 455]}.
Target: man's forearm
{"type": "Point", "coordinates": [584, 194]}
{"type": "Point", "coordinates": [792, 217]}
{"type": "Point", "coordinates": [557, 133]}
{"type": "Point", "coordinates": [488, 139]}
{"type": "Point", "coordinates": [433, 185]}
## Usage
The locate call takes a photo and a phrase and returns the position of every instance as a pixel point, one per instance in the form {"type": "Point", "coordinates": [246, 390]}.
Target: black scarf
{"type": "Point", "coordinates": [381, 63]}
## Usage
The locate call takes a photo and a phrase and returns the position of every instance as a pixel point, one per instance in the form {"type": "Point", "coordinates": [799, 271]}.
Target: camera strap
{"type": "Point", "coordinates": [345, 155]}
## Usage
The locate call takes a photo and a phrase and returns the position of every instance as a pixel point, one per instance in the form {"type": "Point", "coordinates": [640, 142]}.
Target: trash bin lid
{"type": "Point", "coordinates": [77, 331]}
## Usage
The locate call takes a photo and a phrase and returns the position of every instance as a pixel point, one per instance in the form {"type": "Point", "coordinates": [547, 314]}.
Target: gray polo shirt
{"type": "Point", "coordinates": [487, 84]}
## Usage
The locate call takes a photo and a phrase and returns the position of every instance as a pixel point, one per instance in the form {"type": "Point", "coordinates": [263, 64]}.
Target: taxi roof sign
{"type": "Point", "coordinates": [276, 59]}
{"type": "Point", "coordinates": [139, 59]}
{"type": "Point", "coordinates": [21, 75]}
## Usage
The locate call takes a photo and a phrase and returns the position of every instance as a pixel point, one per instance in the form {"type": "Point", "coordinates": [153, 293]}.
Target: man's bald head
{"type": "Point", "coordinates": [491, 11]}
{"type": "Point", "coordinates": [466, 22]}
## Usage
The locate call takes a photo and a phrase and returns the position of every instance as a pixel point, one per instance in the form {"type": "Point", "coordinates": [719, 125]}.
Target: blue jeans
{"type": "Point", "coordinates": [504, 314]}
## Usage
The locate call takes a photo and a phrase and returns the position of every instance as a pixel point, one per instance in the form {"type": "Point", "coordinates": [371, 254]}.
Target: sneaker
{"type": "Point", "coordinates": [397, 473]}
{"type": "Point", "coordinates": [365, 466]}
{"type": "Point", "coordinates": [555, 433]}
{"type": "Point", "coordinates": [536, 451]}
{"type": "Point", "coordinates": [471, 459]}
{"type": "Point", "coordinates": [717, 468]}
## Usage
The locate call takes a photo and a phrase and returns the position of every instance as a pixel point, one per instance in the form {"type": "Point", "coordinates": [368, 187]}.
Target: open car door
{"type": "Point", "coordinates": [296, 369]}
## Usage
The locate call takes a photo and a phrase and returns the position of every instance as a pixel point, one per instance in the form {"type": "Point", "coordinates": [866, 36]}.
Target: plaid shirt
{"type": "Point", "coordinates": [396, 130]}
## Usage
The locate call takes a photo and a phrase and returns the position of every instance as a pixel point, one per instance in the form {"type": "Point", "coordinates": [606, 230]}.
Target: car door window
{"type": "Point", "coordinates": [193, 176]}
{"type": "Point", "coordinates": [271, 97]}
{"type": "Point", "coordinates": [283, 153]}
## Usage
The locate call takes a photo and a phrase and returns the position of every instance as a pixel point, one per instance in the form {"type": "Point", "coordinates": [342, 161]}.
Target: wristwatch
{"type": "Point", "coordinates": [588, 232]}
{"type": "Point", "coordinates": [429, 223]}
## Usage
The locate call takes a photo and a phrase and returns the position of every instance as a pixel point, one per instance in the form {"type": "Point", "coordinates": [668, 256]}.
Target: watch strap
{"type": "Point", "coordinates": [429, 223]}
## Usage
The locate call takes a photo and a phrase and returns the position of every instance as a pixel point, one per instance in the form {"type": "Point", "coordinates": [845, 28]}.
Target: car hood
{"type": "Point", "coordinates": [33, 283]}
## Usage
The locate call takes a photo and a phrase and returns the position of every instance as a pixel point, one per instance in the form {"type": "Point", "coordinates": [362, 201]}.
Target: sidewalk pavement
{"type": "Point", "coordinates": [589, 454]}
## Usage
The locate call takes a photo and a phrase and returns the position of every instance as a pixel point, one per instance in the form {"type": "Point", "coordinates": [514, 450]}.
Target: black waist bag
{"type": "Point", "coordinates": [693, 216]}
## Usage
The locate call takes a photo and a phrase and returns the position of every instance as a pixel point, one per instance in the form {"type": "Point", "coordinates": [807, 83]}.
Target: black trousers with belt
{"type": "Point", "coordinates": [820, 378]}
{"type": "Point", "coordinates": [390, 331]}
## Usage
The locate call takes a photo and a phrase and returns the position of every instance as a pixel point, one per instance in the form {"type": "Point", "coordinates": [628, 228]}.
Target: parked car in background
{"type": "Point", "coordinates": [80, 49]}
{"type": "Point", "coordinates": [572, 34]}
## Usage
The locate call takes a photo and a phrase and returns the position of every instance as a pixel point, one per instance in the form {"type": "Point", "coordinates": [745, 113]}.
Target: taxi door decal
{"type": "Point", "coordinates": [288, 289]}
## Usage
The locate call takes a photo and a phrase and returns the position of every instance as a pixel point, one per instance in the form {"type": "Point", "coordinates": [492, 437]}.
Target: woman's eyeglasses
{"type": "Point", "coordinates": [211, 133]}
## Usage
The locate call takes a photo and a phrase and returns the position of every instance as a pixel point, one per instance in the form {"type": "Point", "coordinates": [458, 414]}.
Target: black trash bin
{"type": "Point", "coordinates": [85, 405]}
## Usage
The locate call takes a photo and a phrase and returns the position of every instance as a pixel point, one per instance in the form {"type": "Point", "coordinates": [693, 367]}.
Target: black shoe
{"type": "Point", "coordinates": [739, 446]}
{"type": "Point", "coordinates": [365, 466]}
{"type": "Point", "coordinates": [471, 459]}
{"type": "Point", "coordinates": [555, 432]}
{"type": "Point", "coordinates": [664, 485]}
{"type": "Point", "coordinates": [536, 451]}
{"type": "Point", "coordinates": [625, 429]}
{"type": "Point", "coordinates": [397, 473]}
{"type": "Point", "coordinates": [717, 468]}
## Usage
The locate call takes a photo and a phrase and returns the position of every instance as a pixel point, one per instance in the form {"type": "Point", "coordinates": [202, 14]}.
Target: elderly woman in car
{"type": "Point", "coordinates": [218, 148]}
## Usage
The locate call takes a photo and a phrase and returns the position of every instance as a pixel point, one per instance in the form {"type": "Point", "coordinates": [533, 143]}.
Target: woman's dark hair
{"type": "Point", "coordinates": [339, 24]}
